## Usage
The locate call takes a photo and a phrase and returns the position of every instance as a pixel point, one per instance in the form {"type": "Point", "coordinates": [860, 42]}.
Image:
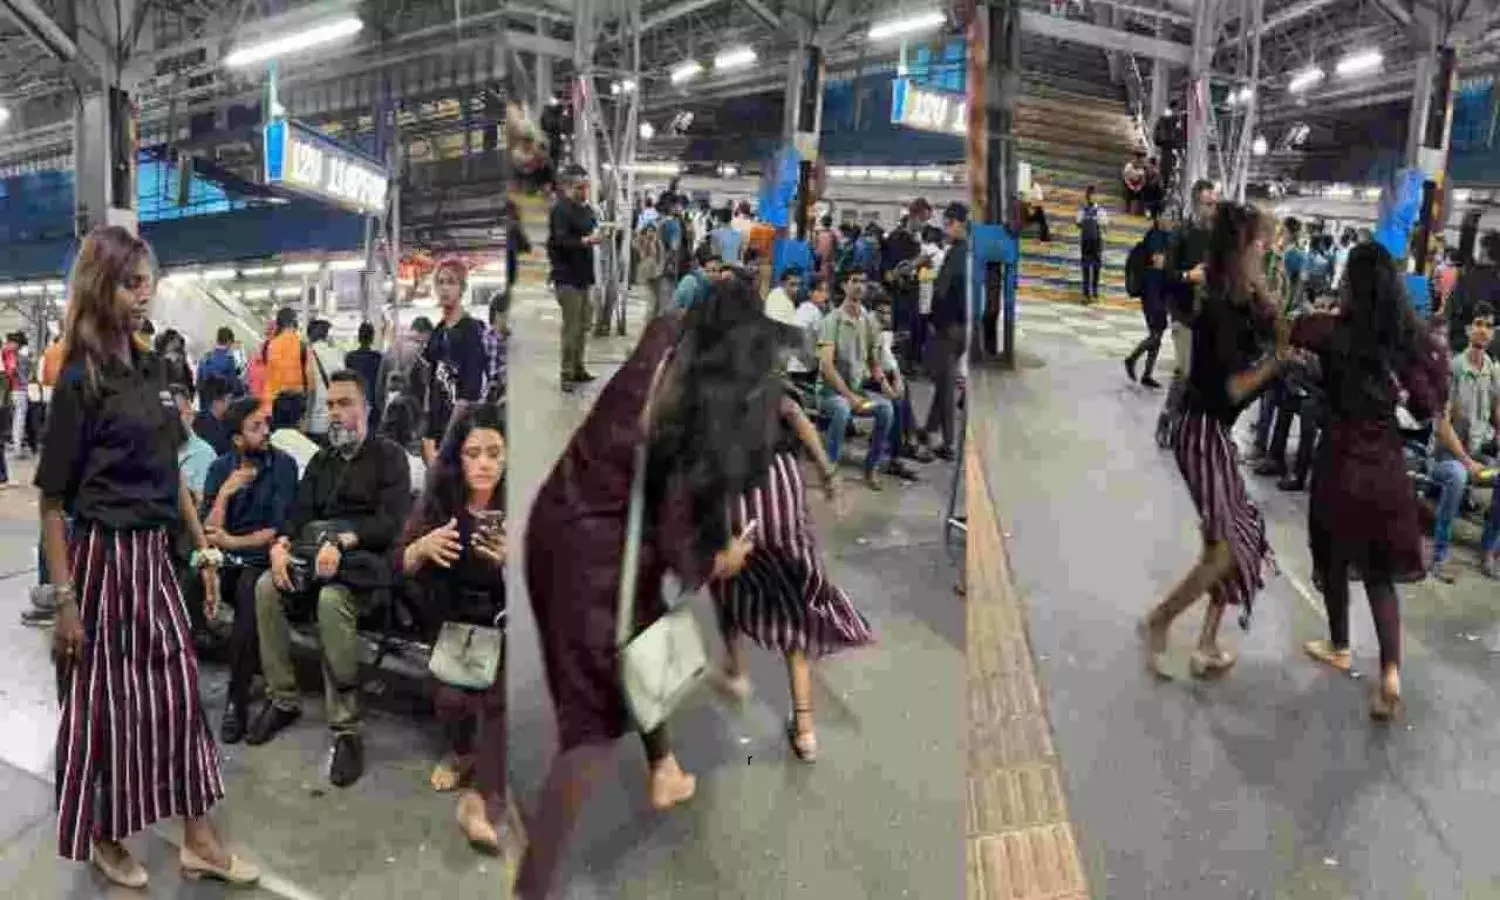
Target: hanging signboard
{"type": "Point", "coordinates": [924, 109]}
{"type": "Point", "coordinates": [301, 160]}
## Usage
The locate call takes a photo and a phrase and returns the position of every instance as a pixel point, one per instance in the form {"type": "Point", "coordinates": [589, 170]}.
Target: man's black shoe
{"type": "Point", "coordinates": [945, 453]}
{"type": "Point", "coordinates": [901, 470]}
{"type": "Point", "coordinates": [568, 386]}
{"type": "Point", "coordinates": [37, 617]}
{"type": "Point", "coordinates": [271, 721]}
{"type": "Point", "coordinates": [232, 727]}
{"type": "Point", "coordinates": [582, 377]}
{"type": "Point", "coordinates": [917, 452]}
{"type": "Point", "coordinates": [346, 763]}
{"type": "Point", "coordinates": [1149, 382]}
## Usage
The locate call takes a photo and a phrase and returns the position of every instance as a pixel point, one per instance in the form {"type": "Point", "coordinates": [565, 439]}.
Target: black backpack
{"type": "Point", "coordinates": [1088, 229]}
{"type": "Point", "coordinates": [1135, 270]}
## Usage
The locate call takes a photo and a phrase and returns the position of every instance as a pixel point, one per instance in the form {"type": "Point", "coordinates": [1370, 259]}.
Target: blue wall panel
{"type": "Point", "coordinates": [297, 227]}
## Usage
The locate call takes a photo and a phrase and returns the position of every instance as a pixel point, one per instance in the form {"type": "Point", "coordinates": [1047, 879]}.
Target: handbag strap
{"type": "Point", "coordinates": [635, 523]}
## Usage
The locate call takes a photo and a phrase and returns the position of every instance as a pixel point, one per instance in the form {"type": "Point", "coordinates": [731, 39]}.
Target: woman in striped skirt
{"type": "Point", "coordinates": [783, 599]}
{"type": "Point", "coordinates": [133, 745]}
{"type": "Point", "coordinates": [1229, 367]}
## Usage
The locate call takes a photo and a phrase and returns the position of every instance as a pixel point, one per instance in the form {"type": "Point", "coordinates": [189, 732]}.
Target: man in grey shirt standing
{"type": "Point", "coordinates": [573, 233]}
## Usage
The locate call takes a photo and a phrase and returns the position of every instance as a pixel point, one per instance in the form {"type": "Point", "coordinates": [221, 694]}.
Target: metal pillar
{"type": "Point", "coordinates": [542, 81]}
{"type": "Point", "coordinates": [994, 88]}
{"type": "Point", "coordinates": [1432, 134]}
{"type": "Point", "coordinates": [1239, 175]}
{"type": "Point", "coordinates": [802, 126]}
{"type": "Point", "coordinates": [1160, 75]}
{"type": "Point", "coordinates": [104, 136]}
{"type": "Point", "coordinates": [1197, 110]}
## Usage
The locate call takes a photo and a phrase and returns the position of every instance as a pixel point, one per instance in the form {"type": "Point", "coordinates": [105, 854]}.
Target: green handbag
{"type": "Point", "coordinates": [467, 656]}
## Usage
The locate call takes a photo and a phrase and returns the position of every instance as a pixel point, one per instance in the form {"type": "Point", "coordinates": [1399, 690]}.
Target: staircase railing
{"type": "Point", "coordinates": [1139, 99]}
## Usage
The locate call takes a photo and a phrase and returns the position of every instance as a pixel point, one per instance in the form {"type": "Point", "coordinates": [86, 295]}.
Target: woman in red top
{"type": "Point", "coordinates": [1362, 518]}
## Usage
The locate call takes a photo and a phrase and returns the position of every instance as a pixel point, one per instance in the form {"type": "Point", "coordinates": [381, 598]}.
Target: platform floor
{"type": "Point", "coordinates": [879, 815]}
{"type": "Point", "coordinates": [1270, 784]}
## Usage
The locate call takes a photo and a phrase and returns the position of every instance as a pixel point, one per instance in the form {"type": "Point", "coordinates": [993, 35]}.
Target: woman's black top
{"type": "Point", "coordinates": [1228, 338]}
{"type": "Point", "coordinates": [110, 451]}
{"type": "Point", "coordinates": [472, 591]}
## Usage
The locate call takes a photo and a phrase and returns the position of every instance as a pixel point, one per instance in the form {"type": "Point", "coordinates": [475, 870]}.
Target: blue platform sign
{"type": "Point", "coordinates": [300, 159]}
{"type": "Point", "coordinates": [925, 109]}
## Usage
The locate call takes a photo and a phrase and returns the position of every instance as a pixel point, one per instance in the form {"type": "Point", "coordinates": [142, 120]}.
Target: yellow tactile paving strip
{"type": "Point", "coordinates": [1021, 843]}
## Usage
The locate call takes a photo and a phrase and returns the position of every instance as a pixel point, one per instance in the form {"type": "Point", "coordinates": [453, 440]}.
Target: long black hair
{"type": "Point", "coordinates": [446, 495]}
{"type": "Point", "coordinates": [1383, 326]}
{"type": "Point", "coordinates": [715, 421]}
{"type": "Point", "coordinates": [1232, 267]}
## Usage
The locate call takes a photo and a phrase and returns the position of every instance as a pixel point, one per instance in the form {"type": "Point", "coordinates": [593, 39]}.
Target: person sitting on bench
{"type": "Point", "coordinates": [332, 552]}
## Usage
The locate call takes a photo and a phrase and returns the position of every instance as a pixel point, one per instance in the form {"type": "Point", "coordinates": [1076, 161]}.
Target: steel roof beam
{"type": "Point", "coordinates": [764, 13]}
{"type": "Point", "coordinates": [33, 20]}
{"type": "Point", "coordinates": [1044, 25]}
{"type": "Point", "coordinates": [1288, 15]}
{"type": "Point", "coordinates": [672, 13]}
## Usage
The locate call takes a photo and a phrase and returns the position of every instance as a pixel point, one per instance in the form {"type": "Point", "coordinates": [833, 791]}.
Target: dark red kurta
{"type": "Point", "coordinates": [1362, 506]}
{"type": "Point", "coordinates": [574, 541]}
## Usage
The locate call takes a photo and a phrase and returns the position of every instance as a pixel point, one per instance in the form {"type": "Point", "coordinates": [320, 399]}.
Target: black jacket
{"type": "Point", "coordinates": [1189, 249]}
{"type": "Point", "coordinates": [950, 294]}
{"type": "Point", "coordinates": [572, 260]}
{"type": "Point", "coordinates": [371, 491]}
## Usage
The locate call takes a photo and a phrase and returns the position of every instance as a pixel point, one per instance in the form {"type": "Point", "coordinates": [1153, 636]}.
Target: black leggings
{"type": "Point", "coordinates": [1384, 608]}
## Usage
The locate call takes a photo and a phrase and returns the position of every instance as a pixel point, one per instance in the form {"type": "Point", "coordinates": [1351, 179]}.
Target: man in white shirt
{"type": "Point", "coordinates": [1036, 211]}
{"type": "Point", "coordinates": [781, 303]}
{"type": "Point", "coordinates": [287, 411]}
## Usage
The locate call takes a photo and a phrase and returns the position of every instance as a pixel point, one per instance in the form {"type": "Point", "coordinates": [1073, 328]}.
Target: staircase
{"type": "Point", "coordinates": [531, 269]}
{"type": "Point", "coordinates": [1072, 141]}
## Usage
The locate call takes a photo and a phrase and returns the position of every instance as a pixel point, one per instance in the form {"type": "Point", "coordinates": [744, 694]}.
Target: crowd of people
{"type": "Point", "coordinates": [164, 489]}
{"type": "Point", "coordinates": [1394, 411]}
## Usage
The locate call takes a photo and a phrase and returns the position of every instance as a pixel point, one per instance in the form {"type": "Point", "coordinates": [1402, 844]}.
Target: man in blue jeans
{"type": "Point", "coordinates": [1466, 443]}
{"type": "Point", "coordinates": [848, 354]}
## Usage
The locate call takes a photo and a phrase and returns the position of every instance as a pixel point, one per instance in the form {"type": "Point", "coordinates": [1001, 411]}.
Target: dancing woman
{"type": "Point", "coordinates": [133, 746]}
{"type": "Point", "coordinates": [1362, 517]}
{"type": "Point", "coordinates": [1228, 367]}
{"type": "Point", "coordinates": [783, 599]}
{"type": "Point", "coordinates": [701, 390]}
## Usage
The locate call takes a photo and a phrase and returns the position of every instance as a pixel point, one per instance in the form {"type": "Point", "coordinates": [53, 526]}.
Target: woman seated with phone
{"type": "Point", "coordinates": [453, 551]}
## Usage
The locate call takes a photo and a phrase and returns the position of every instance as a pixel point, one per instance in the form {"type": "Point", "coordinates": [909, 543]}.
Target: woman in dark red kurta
{"type": "Point", "coordinates": [706, 382]}
{"type": "Point", "coordinates": [1363, 512]}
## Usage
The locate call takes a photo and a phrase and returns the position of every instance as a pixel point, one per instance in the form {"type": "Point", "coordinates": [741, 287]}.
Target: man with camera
{"type": "Point", "coordinates": [331, 555]}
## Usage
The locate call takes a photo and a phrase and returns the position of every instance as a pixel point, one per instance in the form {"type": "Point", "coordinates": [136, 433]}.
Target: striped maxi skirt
{"type": "Point", "coordinates": [783, 599]}
{"type": "Point", "coordinates": [1207, 458]}
{"type": "Point", "coordinates": [133, 745]}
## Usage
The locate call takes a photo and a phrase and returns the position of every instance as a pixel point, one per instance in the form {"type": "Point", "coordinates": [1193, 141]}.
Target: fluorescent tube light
{"type": "Point", "coordinates": [259, 271]}
{"type": "Point", "coordinates": [1304, 80]}
{"type": "Point", "coordinates": [9, 290]}
{"type": "Point", "coordinates": [346, 265]}
{"type": "Point", "coordinates": [734, 59]}
{"type": "Point", "coordinates": [219, 275]}
{"type": "Point", "coordinates": [683, 72]}
{"type": "Point", "coordinates": [301, 268]}
{"type": "Point", "coordinates": [1361, 63]}
{"type": "Point", "coordinates": [294, 43]}
{"type": "Point", "coordinates": [906, 26]}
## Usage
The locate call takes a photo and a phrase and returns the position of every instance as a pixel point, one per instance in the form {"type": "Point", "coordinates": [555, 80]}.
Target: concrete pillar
{"type": "Point", "coordinates": [1195, 157]}
{"type": "Point", "coordinates": [543, 81]}
{"type": "Point", "coordinates": [104, 137]}
{"type": "Point", "coordinates": [1160, 75]}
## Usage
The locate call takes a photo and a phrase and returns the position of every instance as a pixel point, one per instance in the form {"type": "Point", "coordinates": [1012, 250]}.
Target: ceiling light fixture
{"type": "Point", "coordinates": [907, 26]}
{"type": "Point", "coordinates": [737, 58]}
{"type": "Point", "coordinates": [1305, 79]}
{"type": "Point", "coordinates": [294, 43]}
{"type": "Point", "coordinates": [1359, 63]}
{"type": "Point", "coordinates": [690, 69]}
{"type": "Point", "coordinates": [1260, 147]}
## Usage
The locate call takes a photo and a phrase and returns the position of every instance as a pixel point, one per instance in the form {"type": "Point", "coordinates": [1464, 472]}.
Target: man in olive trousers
{"type": "Point", "coordinates": [572, 235]}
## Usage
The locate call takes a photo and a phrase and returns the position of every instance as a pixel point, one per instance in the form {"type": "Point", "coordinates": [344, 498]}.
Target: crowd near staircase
{"type": "Point", "coordinates": [1074, 129]}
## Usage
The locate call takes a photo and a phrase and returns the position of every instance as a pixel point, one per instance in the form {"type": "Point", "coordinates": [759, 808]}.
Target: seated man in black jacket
{"type": "Point", "coordinates": [350, 505]}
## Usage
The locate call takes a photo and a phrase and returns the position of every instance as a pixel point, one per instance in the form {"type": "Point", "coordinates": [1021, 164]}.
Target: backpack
{"type": "Point", "coordinates": [1135, 270]}
{"type": "Point", "coordinates": [1088, 229]}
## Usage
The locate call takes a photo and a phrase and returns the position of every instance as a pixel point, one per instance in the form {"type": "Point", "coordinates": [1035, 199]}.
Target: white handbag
{"type": "Point", "coordinates": [662, 665]}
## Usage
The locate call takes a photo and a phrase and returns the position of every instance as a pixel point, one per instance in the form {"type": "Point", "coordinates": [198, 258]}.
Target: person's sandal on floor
{"type": "Point", "coordinates": [474, 821]}
{"type": "Point", "coordinates": [1211, 663]}
{"type": "Point", "coordinates": [1324, 652]}
{"type": "Point", "coordinates": [804, 740]}
{"type": "Point", "coordinates": [233, 871]}
{"type": "Point", "coordinates": [118, 866]}
{"type": "Point", "coordinates": [1385, 698]}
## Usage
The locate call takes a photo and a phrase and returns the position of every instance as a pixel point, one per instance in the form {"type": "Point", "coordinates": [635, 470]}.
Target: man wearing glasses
{"type": "Point", "coordinates": [849, 354]}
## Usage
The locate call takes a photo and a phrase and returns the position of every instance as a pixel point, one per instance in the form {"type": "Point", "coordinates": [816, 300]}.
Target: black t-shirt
{"type": "Point", "coordinates": [110, 452]}
{"type": "Point", "coordinates": [455, 353]}
{"type": "Point", "coordinates": [1189, 248]}
{"type": "Point", "coordinates": [1228, 338]}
